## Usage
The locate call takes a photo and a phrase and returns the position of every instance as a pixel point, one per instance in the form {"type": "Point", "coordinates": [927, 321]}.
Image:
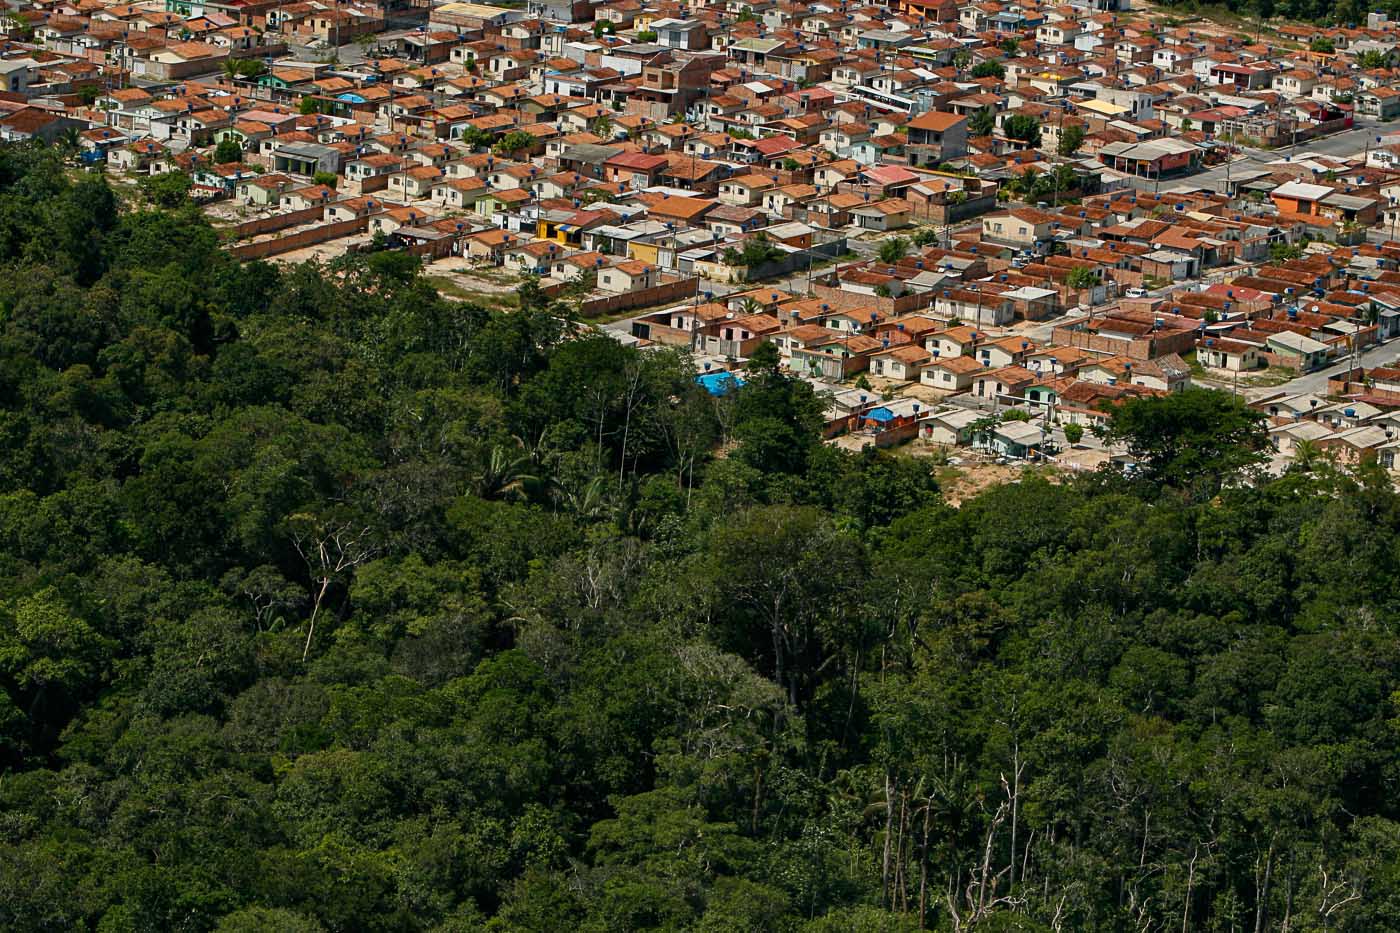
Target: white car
{"type": "Point", "coordinates": [1135, 293]}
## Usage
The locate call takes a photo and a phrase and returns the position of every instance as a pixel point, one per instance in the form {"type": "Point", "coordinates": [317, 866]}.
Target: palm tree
{"type": "Point", "coordinates": [506, 475]}
{"type": "Point", "coordinates": [894, 249]}
{"type": "Point", "coordinates": [69, 141]}
{"type": "Point", "coordinates": [750, 306]}
{"type": "Point", "coordinates": [1082, 277]}
{"type": "Point", "coordinates": [1307, 456]}
{"type": "Point", "coordinates": [589, 502]}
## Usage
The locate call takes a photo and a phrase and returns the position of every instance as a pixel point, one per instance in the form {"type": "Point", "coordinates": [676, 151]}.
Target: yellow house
{"type": "Point", "coordinates": [558, 230]}
{"type": "Point", "coordinates": [644, 252]}
{"type": "Point", "coordinates": [567, 227]}
{"type": "Point", "coordinates": [550, 230]}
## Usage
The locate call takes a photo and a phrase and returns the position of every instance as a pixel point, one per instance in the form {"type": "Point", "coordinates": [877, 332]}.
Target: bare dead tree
{"type": "Point", "coordinates": [633, 395]}
{"type": "Point", "coordinates": [1190, 886]}
{"type": "Point", "coordinates": [331, 549]}
{"type": "Point", "coordinates": [1334, 895]}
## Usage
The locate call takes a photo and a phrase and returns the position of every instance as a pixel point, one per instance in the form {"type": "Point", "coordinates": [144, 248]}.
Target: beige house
{"type": "Point", "coordinates": [953, 374]}
{"type": "Point", "coordinates": [1233, 355]}
{"type": "Point", "coordinates": [953, 342]}
{"type": "Point", "coordinates": [630, 276]}
{"type": "Point", "coordinates": [263, 190]}
{"type": "Point", "coordinates": [457, 193]}
{"type": "Point", "coordinates": [1024, 228]}
{"type": "Point", "coordinates": [905, 363]}
{"type": "Point", "coordinates": [743, 190]}
{"type": "Point", "coordinates": [302, 198]}
{"type": "Point", "coordinates": [415, 183]}
{"type": "Point", "coordinates": [950, 428]}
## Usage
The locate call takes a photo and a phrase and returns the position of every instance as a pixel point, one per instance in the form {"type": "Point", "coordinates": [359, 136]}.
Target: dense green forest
{"type": "Point", "coordinates": [1347, 13]}
{"type": "Point", "coordinates": [327, 603]}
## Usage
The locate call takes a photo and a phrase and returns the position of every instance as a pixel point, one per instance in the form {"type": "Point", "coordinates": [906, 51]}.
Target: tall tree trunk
{"type": "Point", "coordinates": [1190, 884]}
{"type": "Point", "coordinates": [1015, 810]}
{"type": "Point", "coordinates": [901, 863]}
{"type": "Point", "coordinates": [315, 610]}
{"type": "Point", "coordinates": [757, 795]}
{"type": "Point", "coordinates": [1261, 903]}
{"type": "Point", "coordinates": [889, 841]}
{"type": "Point", "coordinates": [923, 864]}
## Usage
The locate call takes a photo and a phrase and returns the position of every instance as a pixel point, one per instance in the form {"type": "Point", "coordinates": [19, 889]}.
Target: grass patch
{"type": "Point", "coordinates": [495, 276]}
{"type": "Point", "coordinates": [601, 319]}
{"type": "Point", "coordinates": [1046, 471]}
{"type": "Point", "coordinates": [1273, 376]}
{"type": "Point", "coordinates": [1214, 15]}
{"type": "Point", "coordinates": [1219, 379]}
{"type": "Point", "coordinates": [847, 256]}
{"type": "Point", "coordinates": [499, 301]}
{"type": "Point", "coordinates": [1197, 370]}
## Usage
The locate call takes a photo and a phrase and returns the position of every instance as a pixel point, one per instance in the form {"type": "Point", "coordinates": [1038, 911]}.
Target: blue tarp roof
{"type": "Point", "coordinates": [879, 414]}
{"type": "Point", "coordinates": [719, 383]}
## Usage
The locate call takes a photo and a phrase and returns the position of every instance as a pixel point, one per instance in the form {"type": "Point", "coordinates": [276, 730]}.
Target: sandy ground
{"type": "Point", "coordinates": [962, 483]}
{"type": "Point", "coordinates": [851, 442]}
{"type": "Point", "coordinates": [960, 480]}
{"type": "Point", "coordinates": [323, 252]}
{"type": "Point", "coordinates": [962, 475]}
{"type": "Point", "coordinates": [461, 272]}
{"type": "Point", "coordinates": [1082, 458]}
{"type": "Point", "coordinates": [230, 212]}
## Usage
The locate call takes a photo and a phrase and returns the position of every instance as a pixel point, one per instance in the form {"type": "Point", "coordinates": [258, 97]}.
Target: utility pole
{"type": "Point", "coordinates": [1046, 427]}
{"type": "Point", "coordinates": [1055, 171]}
{"type": "Point", "coordinates": [816, 241]}
{"type": "Point", "coordinates": [1229, 161]}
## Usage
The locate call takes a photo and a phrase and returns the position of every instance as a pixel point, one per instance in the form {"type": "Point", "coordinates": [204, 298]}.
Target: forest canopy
{"type": "Point", "coordinates": [328, 603]}
{"type": "Point", "coordinates": [1348, 13]}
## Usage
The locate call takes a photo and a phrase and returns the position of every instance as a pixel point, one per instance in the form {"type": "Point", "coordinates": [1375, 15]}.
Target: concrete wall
{"type": "Point", "coordinates": [796, 262]}
{"type": "Point", "coordinates": [431, 249]}
{"type": "Point", "coordinates": [1142, 348]}
{"type": "Point", "coordinates": [895, 432]}
{"type": "Point", "coordinates": [953, 213]}
{"type": "Point", "coordinates": [842, 300]}
{"type": "Point", "coordinates": [174, 71]}
{"type": "Point", "coordinates": [265, 248]}
{"type": "Point", "coordinates": [657, 294]}
{"type": "Point", "coordinates": [276, 222]}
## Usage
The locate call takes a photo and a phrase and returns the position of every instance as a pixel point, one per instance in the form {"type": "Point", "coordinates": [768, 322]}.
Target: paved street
{"type": "Point", "coordinates": [1316, 382]}
{"type": "Point", "coordinates": [1347, 143]}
